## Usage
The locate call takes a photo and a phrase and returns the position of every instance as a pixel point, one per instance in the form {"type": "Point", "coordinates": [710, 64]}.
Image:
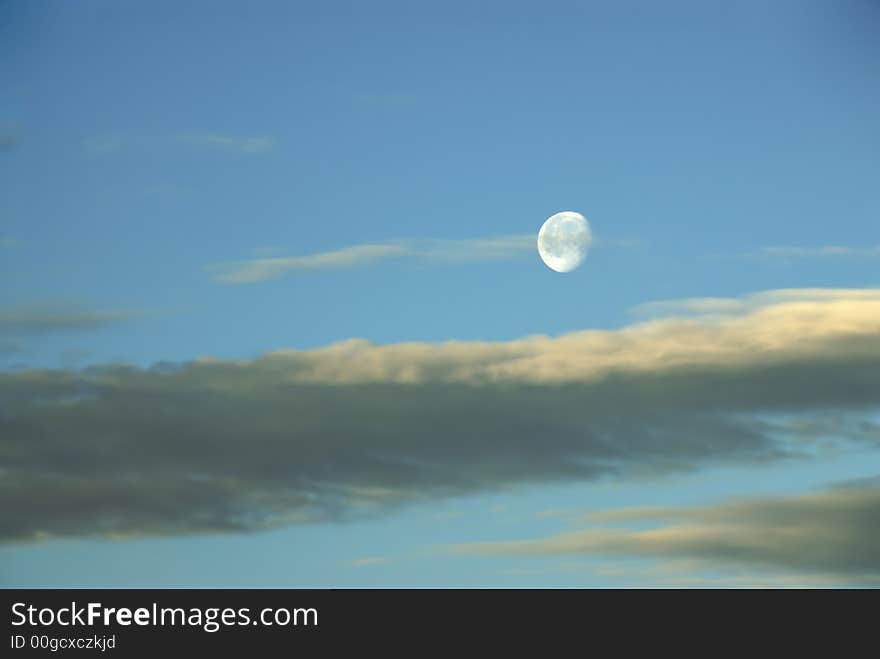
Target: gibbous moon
{"type": "Point", "coordinates": [563, 241]}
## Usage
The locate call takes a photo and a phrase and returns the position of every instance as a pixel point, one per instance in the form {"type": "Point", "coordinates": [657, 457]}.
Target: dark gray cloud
{"type": "Point", "coordinates": [10, 347]}
{"type": "Point", "coordinates": [9, 131]}
{"type": "Point", "coordinates": [55, 317]}
{"type": "Point", "coordinates": [234, 143]}
{"type": "Point", "coordinates": [111, 143]}
{"type": "Point", "coordinates": [834, 535]}
{"type": "Point", "coordinates": [354, 428]}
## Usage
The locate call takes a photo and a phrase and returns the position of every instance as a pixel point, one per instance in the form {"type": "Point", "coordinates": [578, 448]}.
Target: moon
{"type": "Point", "coordinates": [563, 241]}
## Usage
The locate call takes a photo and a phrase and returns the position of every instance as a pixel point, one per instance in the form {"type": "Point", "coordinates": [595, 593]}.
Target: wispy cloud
{"type": "Point", "coordinates": [252, 271]}
{"type": "Point", "coordinates": [369, 561]}
{"type": "Point", "coordinates": [45, 318]}
{"type": "Point", "coordinates": [447, 515]}
{"type": "Point", "coordinates": [679, 573]}
{"type": "Point", "coordinates": [109, 143]}
{"type": "Point", "coordinates": [790, 253]}
{"type": "Point", "coordinates": [8, 347]}
{"type": "Point", "coordinates": [100, 145]}
{"type": "Point", "coordinates": [329, 431]}
{"type": "Point", "coordinates": [234, 143]}
{"type": "Point", "coordinates": [8, 134]}
{"type": "Point", "coordinates": [256, 270]}
{"type": "Point", "coordinates": [551, 513]}
{"type": "Point", "coordinates": [724, 306]}
{"type": "Point", "coordinates": [831, 534]}
{"type": "Point", "coordinates": [7, 243]}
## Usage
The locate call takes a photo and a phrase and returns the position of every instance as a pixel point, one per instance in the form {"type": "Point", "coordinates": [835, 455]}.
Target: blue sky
{"type": "Point", "coordinates": [718, 149]}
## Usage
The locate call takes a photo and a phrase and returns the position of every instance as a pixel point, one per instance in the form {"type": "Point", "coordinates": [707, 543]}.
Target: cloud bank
{"type": "Point", "coordinates": [833, 535]}
{"type": "Point", "coordinates": [355, 429]}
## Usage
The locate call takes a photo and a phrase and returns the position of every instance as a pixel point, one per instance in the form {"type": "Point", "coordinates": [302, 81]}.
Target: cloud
{"type": "Point", "coordinates": [369, 561]}
{"type": "Point", "coordinates": [550, 513]}
{"type": "Point", "coordinates": [447, 515]}
{"type": "Point", "coordinates": [8, 348]}
{"type": "Point", "coordinates": [486, 249]}
{"type": "Point", "coordinates": [100, 145]}
{"type": "Point", "coordinates": [822, 252]}
{"type": "Point", "coordinates": [262, 269]}
{"type": "Point", "coordinates": [8, 242]}
{"type": "Point", "coordinates": [834, 535]}
{"type": "Point", "coordinates": [703, 574]}
{"type": "Point", "coordinates": [729, 307]}
{"type": "Point", "coordinates": [633, 572]}
{"type": "Point", "coordinates": [107, 143]}
{"type": "Point", "coordinates": [53, 317]}
{"type": "Point", "coordinates": [355, 429]}
{"type": "Point", "coordinates": [8, 135]}
{"type": "Point", "coordinates": [233, 143]}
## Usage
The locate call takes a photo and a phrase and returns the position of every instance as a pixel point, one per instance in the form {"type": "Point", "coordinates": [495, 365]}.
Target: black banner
{"type": "Point", "coordinates": [150, 622]}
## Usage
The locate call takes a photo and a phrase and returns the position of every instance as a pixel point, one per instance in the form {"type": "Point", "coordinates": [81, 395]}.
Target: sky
{"type": "Point", "coordinates": [272, 312]}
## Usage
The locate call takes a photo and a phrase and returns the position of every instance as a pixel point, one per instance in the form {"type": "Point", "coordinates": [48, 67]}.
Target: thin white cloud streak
{"type": "Point", "coordinates": [556, 513]}
{"type": "Point", "coordinates": [264, 269]}
{"type": "Point", "coordinates": [252, 271]}
{"type": "Point", "coordinates": [791, 252]}
{"type": "Point", "coordinates": [448, 515]}
{"type": "Point", "coordinates": [369, 561]}
{"type": "Point", "coordinates": [109, 143]}
{"type": "Point", "coordinates": [726, 307]}
{"type": "Point", "coordinates": [8, 134]}
{"type": "Point", "coordinates": [706, 574]}
{"type": "Point", "coordinates": [677, 574]}
{"type": "Point", "coordinates": [246, 145]}
{"type": "Point", "coordinates": [102, 145]}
